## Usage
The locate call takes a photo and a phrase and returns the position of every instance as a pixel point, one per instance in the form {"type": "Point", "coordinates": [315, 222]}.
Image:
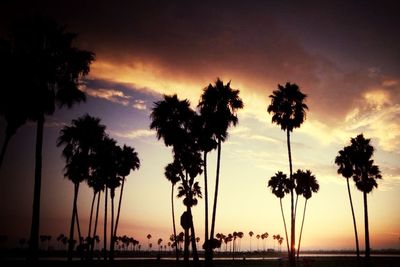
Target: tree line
{"type": "Point", "coordinates": [42, 70]}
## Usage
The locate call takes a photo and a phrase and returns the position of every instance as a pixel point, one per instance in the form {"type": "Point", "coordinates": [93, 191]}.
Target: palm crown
{"type": "Point", "coordinates": [280, 184]}
{"type": "Point", "coordinates": [218, 104]}
{"type": "Point", "coordinates": [306, 183]}
{"type": "Point", "coordinates": [287, 106]}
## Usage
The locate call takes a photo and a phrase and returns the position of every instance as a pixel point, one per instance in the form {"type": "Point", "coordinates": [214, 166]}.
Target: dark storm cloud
{"type": "Point", "coordinates": [327, 48]}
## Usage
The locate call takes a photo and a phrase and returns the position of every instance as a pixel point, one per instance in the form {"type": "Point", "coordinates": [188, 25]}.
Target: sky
{"type": "Point", "coordinates": [344, 55]}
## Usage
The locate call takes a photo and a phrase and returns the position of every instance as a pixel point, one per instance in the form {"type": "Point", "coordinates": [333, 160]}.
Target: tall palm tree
{"type": "Point", "coordinates": [206, 142]}
{"type": "Point", "coordinates": [174, 174]}
{"type": "Point", "coordinates": [306, 184]}
{"type": "Point", "coordinates": [173, 121]}
{"type": "Point", "coordinates": [52, 69]}
{"type": "Point", "coordinates": [343, 160]}
{"type": "Point", "coordinates": [289, 111]}
{"type": "Point", "coordinates": [105, 166]}
{"type": "Point", "coordinates": [280, 186]}
{"type": "Point", "coordinates": [218, 106]}
{"type": "Point", "coordinates": [79, 141]}
{"type": "Point", "coordinates": [365, 175]}
{"type": "Point", "coordinates": [98, 185]}
{"type": "Point", "coordinates": [128, 161]}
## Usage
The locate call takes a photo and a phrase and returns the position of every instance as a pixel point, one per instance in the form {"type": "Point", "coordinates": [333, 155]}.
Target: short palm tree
{"type": "Point", "coordinates": [218, 106]}
{"type": "Point", "coordinates": [251, 233]}
{"type": "Point", "coordinates": [306, 184]}
{"type": "Point", "coordinates": [173, 173]}
{"type": "Point", "coordinates": [281, 185]}
{"type": "Point", "coordinates": [52, 69]}
{"type": "Point", "coordinates": [79, 141]}
{"type": "Point", "coordinates": [343, 160]}
{"type": "Point", "coordinates": [289, 111]}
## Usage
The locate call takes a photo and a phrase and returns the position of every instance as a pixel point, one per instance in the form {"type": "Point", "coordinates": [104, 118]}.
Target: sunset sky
{"type": "Point", "coordinates": [345, 55]}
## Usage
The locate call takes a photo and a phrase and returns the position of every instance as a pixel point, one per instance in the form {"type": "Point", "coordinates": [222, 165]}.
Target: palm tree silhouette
{"type": "Point", "coordinates": [365, 174]}
{"type": "Point", "coordinates": [206, 141]}
{"type": "Point", "coordinates": [13, 104]}
{"type": "Point", "coordinates": [343, 160]}
{"type": "Point", "coordinates": [106, 167]}
{"type": "Point", "coordinates": [281, 185]}
{"type": "Point", "coordinates": [251, 233]}
{"type": "Point", "coordinates": [79, 141]}
{"type": "Point", "coordinates": [258, 241]}
{"type": "Point", "coordinates": [306, 184]}
{"type": "Point", "coordinates": [52, 69]}
{"type": "Point", "coordinates": [98, 185]}
{"type": "Point", "coordinates": [148, 239]}
{"type": "Point", "coordinates": [218, 106]}
{"type": "Point", "coordinates": [289, 112]}
{"type": "Point", "coordinates": [174, 174]}
{"type": "Point", "coordinates": [173, 121]}
{"type": "Point", "coordinates": [128, 160]}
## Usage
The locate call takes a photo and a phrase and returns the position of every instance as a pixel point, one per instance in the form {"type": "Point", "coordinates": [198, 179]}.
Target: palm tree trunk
{"type": "Point", "coordinates": [292, 259]}
{"type": "Point", "coordinates": [95, 225]}
{"type": "Point", "coordinates": [78, 227]}
{"type": "Point", "coordinates": [105, 223]}
{"type": "Point", "coordinates": [284, 223]}
{"type": "Point", "coordinates": [91, 217]}
{"type": "Point", "coordinates": [34, 237]}
{"type": "Point", "coordinates": [112, 238]}
{"type": "Point", "coordinates": [206, 241]}
{"type": "Point", "coordinates": [295, 205]}
{"type": "Point", "coordinates": [196, 261]}
{"type": "Point", "coordinates": [4, 148]}
{"type": "Point", "coordinates": [173, 222]}
{"type": "Point", "coordinates": [354, 220]}
{"type": "Point", "coordinates": [215, 196]}
{"type": "Point", "coordinates": [119, 206]}
{"type": "Point", "coordinates": [72, 226]}
{"type": "Point", "coordinates": [367, 248]}
{"type": "Point", "coordinates": [186, 246]}
{"type": "Point", "coordinates": [301, 229]}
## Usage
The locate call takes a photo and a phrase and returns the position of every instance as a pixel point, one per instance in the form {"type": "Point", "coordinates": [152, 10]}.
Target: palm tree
{"type": "Point", "coordinates": [13, 106]}
{"type": "Point", "coordinates": [251, 233]}
{"type": "Point", "coordinates": [281, 185]}
{"type": "Point", "coordinates": [148, 238]}
{"type": "Point", "coordinates": [343, 160]}
{"type": "Point", "coordinates": [52, 69]}
{"type": "Point", "coordinates": [289, 112]}
{"type": "Point", "coordinates": [173, 121]}
{"type": "Point", "coordinates": [174, 174]}
{"type": "Point", "coordinates": [306, 184]}
{"type": "Point", "coordinates": [79, 141]}
{"type": "Point", "coordinates": [98, 185]}
{"type": "Point", "coordinates": [206, 142]}
{"type": "Point", "coordinates": [258, 241]}
{"type": "Point", "coordinates": [128, 161]}
{"type": "Point", "coordinates": [218, 106]}
{"type": "Point", "coordinates": [365, 174]}
{"type": "Point", "coordinates": [106, 167]}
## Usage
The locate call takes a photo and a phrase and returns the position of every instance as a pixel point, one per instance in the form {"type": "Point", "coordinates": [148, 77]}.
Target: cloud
{"type": "Point", "coordinates": [134, 134]}
{"type": "Point", "coordinates": [112, 95]}
{"type": "Point", "coordinates": [139, 104]}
